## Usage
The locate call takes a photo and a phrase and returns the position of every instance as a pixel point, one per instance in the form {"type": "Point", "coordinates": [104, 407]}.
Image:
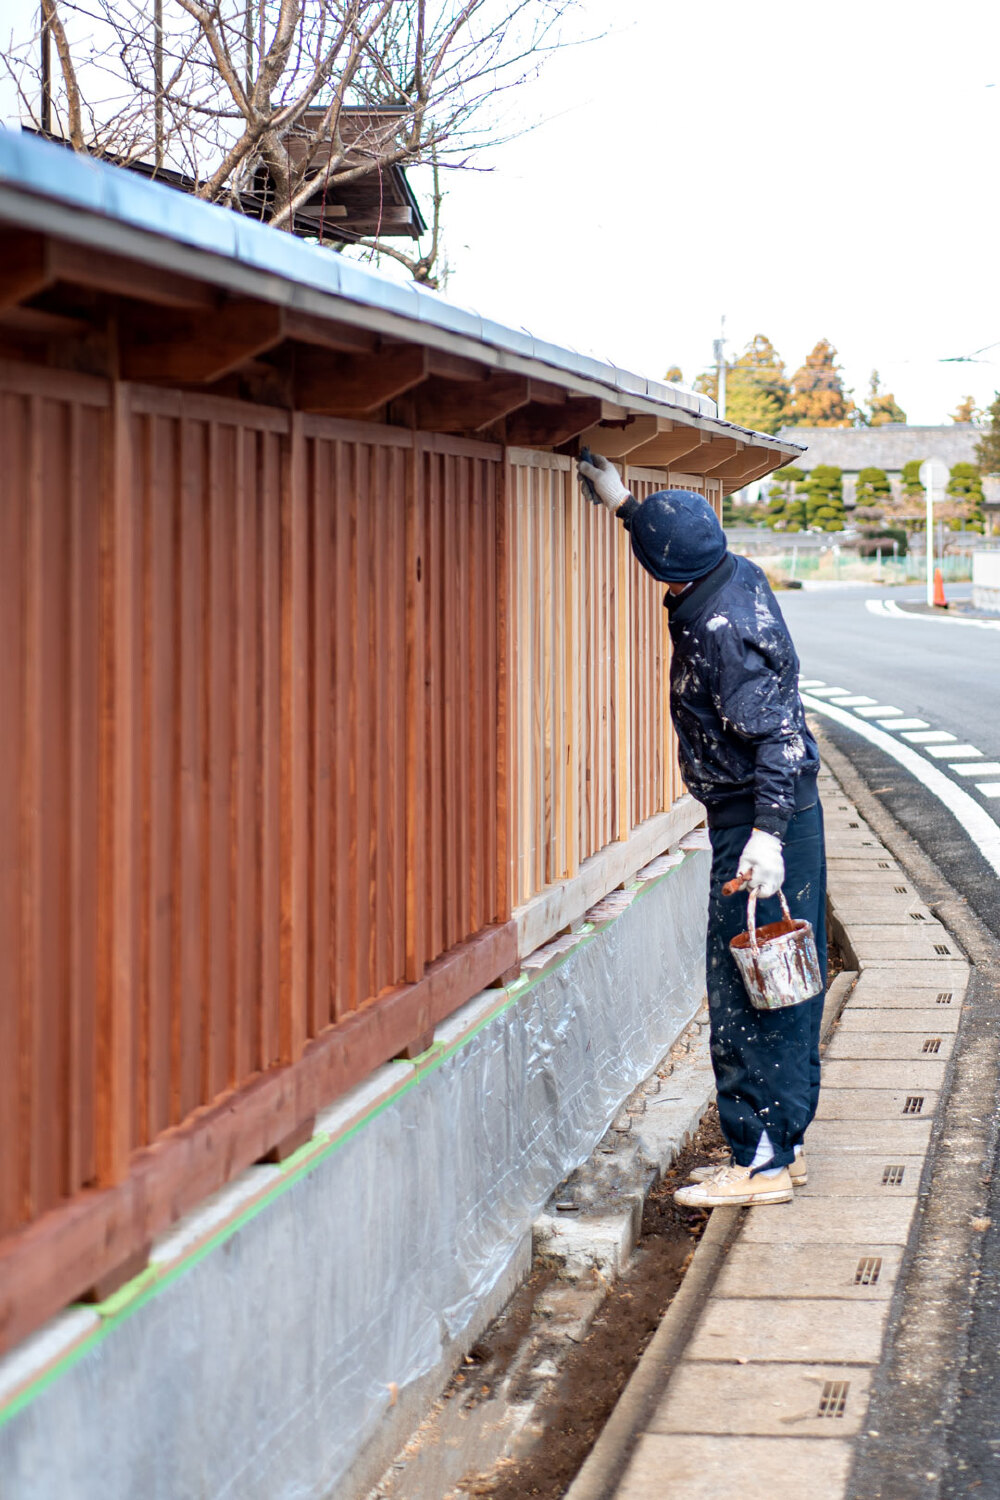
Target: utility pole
{"type": "Point", "coordinates": [719, 352]}
{"type": "Point", "coordinates": [158, 81]}
{"type": "Point", "coordinates": [46, 41]}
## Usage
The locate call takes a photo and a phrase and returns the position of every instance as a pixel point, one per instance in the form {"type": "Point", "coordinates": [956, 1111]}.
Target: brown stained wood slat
{"type": "Point", "coordinates": [120, 712]}
{"type": "Point", "coordinates": [320, 687]}
{"type": "Point", "coordinates": [81, 646]}
{"type": "Point", "coordinates": [189, 877]}
{"type": "Point", "coordinates": [14, 1126]}
{"type": "Point", "coordinates": [294, 750]}
{"type": "Point", "coordinates": [397, 827]}
{"type": "Point", "coordinates": [160, 742]}
{"type": "Point", "coordinates": [245, 825]}
{"type": "Point", "coordinates": [269, 741]}
{"type": "Point", "coordinates": [415, 587]}
{"type": "Point", "coordinates": [344, 522]}
{"type": "Point", "coordinates": [435, 710]}
{"type": "Point", "coordinates": [380, 748]}
{"type": "Point", "coordinates": [219, 721]}
{"type": "Point", "coordinates": [360, 861]}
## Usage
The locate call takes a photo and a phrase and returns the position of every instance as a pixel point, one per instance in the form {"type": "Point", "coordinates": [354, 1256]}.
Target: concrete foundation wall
{"type": "Point", "coordinates": [287, 1337]}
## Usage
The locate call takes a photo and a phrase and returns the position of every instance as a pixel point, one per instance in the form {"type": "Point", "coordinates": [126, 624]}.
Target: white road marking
{"type": "Point", "coordinates": [981, 768]}
{"type": "Point", "coordinates": [880, 708]}
{"type": "Point", "coordinates": [853, 700]}
{"type": "Point", "coordinates": [976, 821]}
{"type": "Point", "coordinates": [929, 737]}
{"type": "Point", "coordinates": [988, 788]}
{"type": "Point", "coordinates": [942, 752]}
{"type": "Point", "coordinates": [906, 724]}
{"type": "Point", "coordinates": [892, 609]}
{"type": "Point", "coordinates": [828, 692]}
{"type": "Point", "coordinates": [811, 682]}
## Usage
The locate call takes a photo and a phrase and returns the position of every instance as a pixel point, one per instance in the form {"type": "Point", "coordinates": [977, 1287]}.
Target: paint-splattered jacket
{"type": "Point", "coordinates": [745, 750]}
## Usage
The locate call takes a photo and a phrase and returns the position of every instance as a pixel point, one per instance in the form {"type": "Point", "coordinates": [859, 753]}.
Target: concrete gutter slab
{"type": "Point", "coordinates": [709, 1468]}
{"type": "Point", "coordinates": [811, 1271]}
{"type": "Point", "coordinates": [770, 1399]}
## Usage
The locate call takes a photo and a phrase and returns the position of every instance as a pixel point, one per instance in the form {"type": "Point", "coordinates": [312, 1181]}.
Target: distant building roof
{"type": "Point", "coordinates": [888, 447]}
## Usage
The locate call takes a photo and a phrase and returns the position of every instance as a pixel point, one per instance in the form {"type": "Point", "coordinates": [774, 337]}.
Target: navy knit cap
{"type": "Point", "coordinates": [677, 536]}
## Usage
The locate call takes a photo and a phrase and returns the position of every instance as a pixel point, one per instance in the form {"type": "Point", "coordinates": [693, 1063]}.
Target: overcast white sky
{"type": "Point", "coordinates": [809, 170]}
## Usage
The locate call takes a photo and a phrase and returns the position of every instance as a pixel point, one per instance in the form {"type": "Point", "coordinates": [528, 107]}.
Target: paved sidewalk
{"type": "Point", "coordinates": [775, 1382]}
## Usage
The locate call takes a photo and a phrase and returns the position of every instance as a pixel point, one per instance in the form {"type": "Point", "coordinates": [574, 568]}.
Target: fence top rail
{"type": "Point", "coordinates": [58, 193]}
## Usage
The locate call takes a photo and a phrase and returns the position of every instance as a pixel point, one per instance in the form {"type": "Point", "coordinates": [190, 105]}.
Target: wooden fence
{"type": "Point", "coordinates": [298, 710]}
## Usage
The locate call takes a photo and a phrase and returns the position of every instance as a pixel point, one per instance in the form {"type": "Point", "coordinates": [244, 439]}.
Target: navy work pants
{"type": "Point", "coordinates": [766, 1062]}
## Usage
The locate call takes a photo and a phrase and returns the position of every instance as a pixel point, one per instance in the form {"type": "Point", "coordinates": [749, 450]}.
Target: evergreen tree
{"type": "Point", "coordinates": [825, 498]}
{"type": "Point", "coordinates": [965, 486]}
{"type": "Point", "coordinates": [757, 388]}
{"type": "Point", "coordinates": [818, 396]}
{"type": "Point", "coordinates": [911, 479]}
{"type": "Point", "coordinates": [882, 405]}
{"type": "Point", "coordinates": [988, 447]}
{"type": "Point", "coordinates": [873, 488]}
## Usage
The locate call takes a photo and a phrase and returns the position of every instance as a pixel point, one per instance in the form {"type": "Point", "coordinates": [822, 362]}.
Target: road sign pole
{"type": "Point", "coordinates": [930, 539]}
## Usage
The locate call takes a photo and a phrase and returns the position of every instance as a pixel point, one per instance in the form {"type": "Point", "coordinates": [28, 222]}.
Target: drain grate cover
{"type": "Point", "coordinates": [914, 1104]}
{"type": "Point", "coordinates": [854, 825]}
{"type": "Point", "coordinates": [869, 1270]}
{"type": "Point", "coordinates": [833, 1399]}
{"type": "Point", "coordinates": [942, 948]}
{"type": "Point", "coordinates": [900, 890]}
{"type": "Point", "coordinates": [944, 997]}
{"type": "Point", "coordinates": [917, 916]}
{"type": "Point", "coordinates": [883, 864]}
{"type": "Point", "coordinates": [893, 1176]}
{"type": "Point", "coordinates": [932, 1044]}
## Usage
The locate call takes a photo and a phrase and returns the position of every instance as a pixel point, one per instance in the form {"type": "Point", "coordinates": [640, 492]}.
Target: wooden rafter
{"type": "Point", "coordinates": [545, 425]}
{"type": "Point", "coordinates": [453, 406]}
{"type": "Point", "coordinates": [353, 385]}
{"type": "Point", "coordinates": [24, 268]}
{"type": "Point", "coordinates": [670, 448]}
{"type": "Point", "coordinates": [197, 348]}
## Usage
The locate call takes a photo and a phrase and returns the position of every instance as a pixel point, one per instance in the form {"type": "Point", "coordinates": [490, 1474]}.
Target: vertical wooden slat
{"type": "Point", "coordinates": [244, 832]}
{"type": "Point", "coordinates": [415, 591]}
{"type": "Point", "coordinates": [121, 699]}
{"type": "Point", "coordinates": [344, 522]}
{"type": "Point", "coordinates": [321, 684]}
{"type": "Point", "coordinates": [294, 747]}
{"type": "Point", "coordinates": [269, 525]}
{"type": "Point", "coordinates": [219, 721]}
{"type": "Point", "coordinates": [188, 969]}
{"type": "Point", "coordinates": [14, 1127]}
{"type": "Point", "coordinates": [574, 647]}
{"type": "Point", "coordinates": [505, 779]}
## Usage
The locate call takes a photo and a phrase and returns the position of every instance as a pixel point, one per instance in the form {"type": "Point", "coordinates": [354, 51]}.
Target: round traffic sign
{"type": "Point", "coordinates": [933, 474]}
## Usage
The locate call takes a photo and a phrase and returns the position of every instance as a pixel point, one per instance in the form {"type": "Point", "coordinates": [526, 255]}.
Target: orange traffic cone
{"type": "Point", "coordinates": [940, 601]}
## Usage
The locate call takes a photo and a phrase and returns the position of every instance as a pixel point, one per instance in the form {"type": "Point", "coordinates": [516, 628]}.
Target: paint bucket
{"type": "Point", "coordinates": [778, 963]}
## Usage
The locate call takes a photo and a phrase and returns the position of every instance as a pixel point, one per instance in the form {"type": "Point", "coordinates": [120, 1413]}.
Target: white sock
{"type": "Point", "coordinates": [763, 1154]}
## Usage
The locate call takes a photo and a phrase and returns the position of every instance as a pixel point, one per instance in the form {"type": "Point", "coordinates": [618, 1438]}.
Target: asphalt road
{"type": "Point", "coordinates": [949, 676]}
{"type": "Point", "coordinates": [939, 671]}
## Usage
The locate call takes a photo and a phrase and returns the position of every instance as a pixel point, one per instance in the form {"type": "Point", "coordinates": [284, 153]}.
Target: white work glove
{"type": "Point", "coordinates": [761, 866]}
{"type": "Point", "coordinates": [605, 479]}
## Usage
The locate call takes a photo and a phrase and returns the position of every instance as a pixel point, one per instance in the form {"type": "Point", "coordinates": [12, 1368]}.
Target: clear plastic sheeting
{"type": "Point", "coordinates": [269, 1365]}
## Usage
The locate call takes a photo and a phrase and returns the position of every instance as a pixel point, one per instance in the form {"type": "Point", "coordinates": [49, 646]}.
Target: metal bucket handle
{"type": "Point", "coordinates": [752, 919]}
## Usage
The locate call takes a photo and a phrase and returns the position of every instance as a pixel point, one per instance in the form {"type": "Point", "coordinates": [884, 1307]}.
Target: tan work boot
{"type": "Point", "coordinates": [735, 1185]}
{"type": "Point", "coordinates": [797, 1171]}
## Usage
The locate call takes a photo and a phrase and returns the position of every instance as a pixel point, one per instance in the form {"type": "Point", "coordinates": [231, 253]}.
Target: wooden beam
{"type": "Point", "coordinates": [617, 442]}
{"type": "Point", "coordinates": [451, 406]}
{"type": "Point", "coordinates": [765, 465]}
{"type": "Point", "coordinates": [539, 425]}
{"type": "Point", "coordinates": [24, 268]}
{"type": "Point", "coordinates": [353, 385]}
{"type": "Point", "coordinates": [121, 277]}
{"type": "Point", "coordinates": [197, 348]}
{"type": "Point", "coordinates": [742, 463]}
{"type": "Point", "coordinates": [707, 458]}
{"type": "Point", "coordinates": [306, 328]}
{"type": "Point", "coordinates": [669, 447]}
{"type": "Point", "coordinates": [455, 366]}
